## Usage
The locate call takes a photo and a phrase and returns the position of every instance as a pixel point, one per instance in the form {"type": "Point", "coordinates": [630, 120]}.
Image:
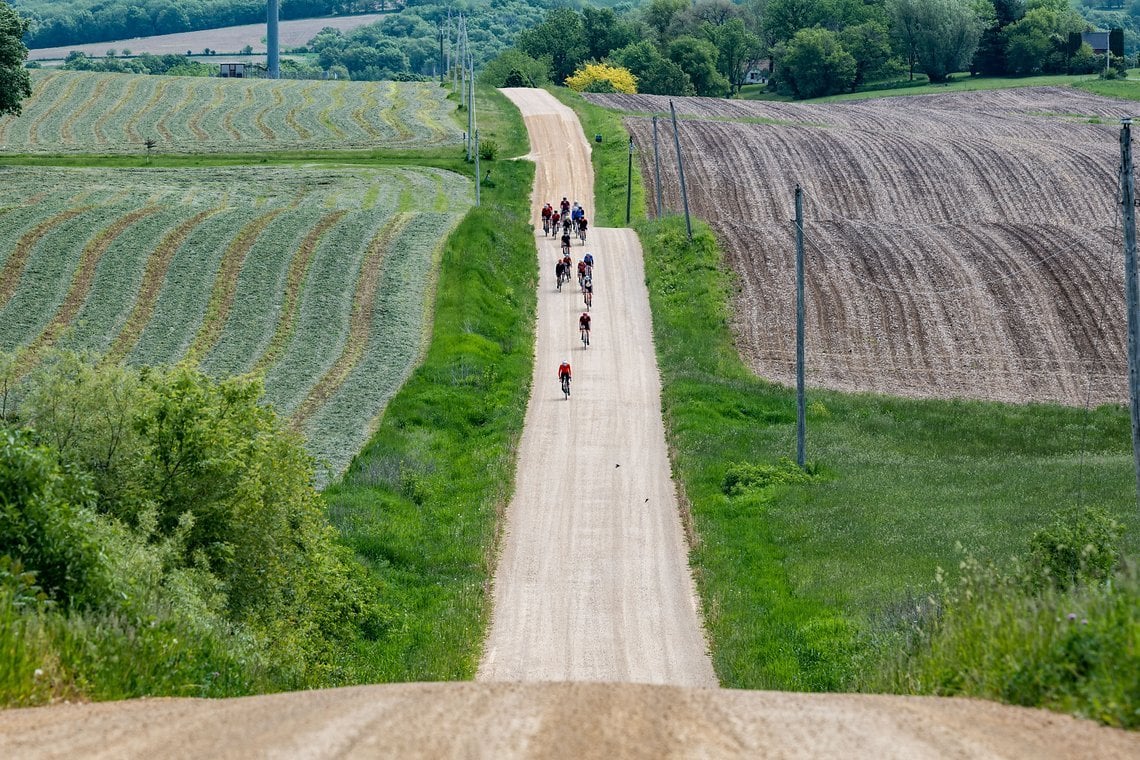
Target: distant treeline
{"type": "Point", "coordinates": [74, 22]}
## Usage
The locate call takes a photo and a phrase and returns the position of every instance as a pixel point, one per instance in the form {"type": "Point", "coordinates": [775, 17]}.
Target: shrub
{"type": "Point", "coordinates": [1079, 547]}
{"type": "Point", "coordinates": [488, 149]}
{"type": "Point", "coordinates": [745, 477]}
{"type": "Point", "coordinates": [596, 77]}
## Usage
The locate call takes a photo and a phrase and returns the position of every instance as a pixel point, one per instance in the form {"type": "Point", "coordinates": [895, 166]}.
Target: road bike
{"type": "Point", "coordinates": [588, 296]}
{"type": "Point", "coordinates": [565, 248]}
{"type": "Point", "coordinates": [545, 225]}
{"type": "Point", "coordinates": [565, 386]}
{"type": "Point", "coordinates": [585, 331]}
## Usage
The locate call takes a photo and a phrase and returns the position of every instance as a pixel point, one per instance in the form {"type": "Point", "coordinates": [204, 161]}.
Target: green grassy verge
{"type": "Point", "coordinates": [419, 505]}
{"type": "Point", "coordinates": [797, 577]}
{"type": "Point", "coordinates": [1126, 89]}
{"type": "Point", "coordinates": [610, 159]}
{"type": "Point", "coordinates": [961, 82]}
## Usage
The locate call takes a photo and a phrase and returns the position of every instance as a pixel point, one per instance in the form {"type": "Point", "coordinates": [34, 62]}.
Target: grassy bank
{"type": "Point", "coordinates": [419, 504]}
{"type": "Point", "coordinates": [611, 161]}
{"type": "Point", "coordinates": [798, 574]}
{"type": "Point", "coordinates": [961, 82]}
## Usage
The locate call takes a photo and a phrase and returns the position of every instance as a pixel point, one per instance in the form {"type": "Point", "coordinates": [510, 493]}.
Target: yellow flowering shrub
{"type": "Point", "coordinates": [602, 77]}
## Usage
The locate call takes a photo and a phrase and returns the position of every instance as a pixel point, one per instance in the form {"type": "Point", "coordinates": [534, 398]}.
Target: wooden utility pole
{"type": "Point", "coordinates": [1128, 209]}
{"type": "Point", "coordinates": [681, 171]}
{"type": "Point", "coordinates": [476, 167]}
{"type": "Point", "coordinates": [657, 167]}
{"type": "Point", "coordinates": [801, 407]}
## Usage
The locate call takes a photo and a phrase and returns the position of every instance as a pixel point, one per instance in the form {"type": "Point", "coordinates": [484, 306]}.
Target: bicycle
{"type": "Point", "coordinates": [585, 335]}
{"type": "Point", "coordinates": [588, 296]}
{"type": "Point", "coordinates": [565, 248]}
{"type": "Point", "coordinates": [545, 226]}
{"type": "Point", "coordinates": [565, 386]}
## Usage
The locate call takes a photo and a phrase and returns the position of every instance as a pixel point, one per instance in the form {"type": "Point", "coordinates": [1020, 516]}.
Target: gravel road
{"type": "Point", "coordinates": [593, 583]}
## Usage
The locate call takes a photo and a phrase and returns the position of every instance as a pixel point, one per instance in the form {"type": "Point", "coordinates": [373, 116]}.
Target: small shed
{"type": "Point", "coordinates": [756, 76]}
{"type": "Point", "coordinates": [231, 70]}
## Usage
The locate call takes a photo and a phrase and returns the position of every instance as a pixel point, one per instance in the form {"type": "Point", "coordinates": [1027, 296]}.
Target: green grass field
{"type": "Point", "coordinates": [961, 82]}
{"type": "Point", "coordinates": [95, 113]}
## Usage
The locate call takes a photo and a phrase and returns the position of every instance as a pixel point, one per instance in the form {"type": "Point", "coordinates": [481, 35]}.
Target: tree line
{"type": "Point", "coordinates": [55, 23]}
{"type": "Point", "coordinates": [802, 48]}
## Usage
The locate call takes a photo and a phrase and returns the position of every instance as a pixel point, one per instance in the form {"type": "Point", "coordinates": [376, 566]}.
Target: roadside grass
{"type": "Point", "coordinates": [610, 159]}
{"type": "Point", "coordinates": [796, 576]}
{"type": "Point", "coordinates": [960, 82]}
{"type": "Point", "coordinates": [1125, 89]}
{"type": "Point", "coordinates": [420, 503]}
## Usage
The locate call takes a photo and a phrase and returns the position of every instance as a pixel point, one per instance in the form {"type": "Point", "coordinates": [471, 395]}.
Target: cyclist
{"type": "Point", "coordinates": [589, 259]}
{"type": "Point", "coordinates": [566, 244]}
{"type": "Point", "coordinates": [588, 290]}
{"type": "Point", "coordinates": [567, 223]}
{"type": "Point", "coordinates": [578, 212]}
{"type": "Point", "coordinates": [565, 206]}
{"type": "Point", "coordinates": [560, 272]}
{"type": "Point", "coordinates": [554, 221]}
{"type": "Point", "coordinates": [584, 328]}
{"type": "Point", "coordinates": [581, 272]}
{"type": "Point", "coordinates": [547, 210]}
{"type": "Point", "coordinates": [582, 224]}
{"type": "Point", "coordinates": [564, 377]}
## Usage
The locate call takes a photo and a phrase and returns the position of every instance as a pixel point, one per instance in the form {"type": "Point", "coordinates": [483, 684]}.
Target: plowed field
{"type": "Point", "coordinates": [88, 112]}
{"type": "Point", "coordinates": [959, 245]}
{"type": "Point", "coordinates": [315, 278]}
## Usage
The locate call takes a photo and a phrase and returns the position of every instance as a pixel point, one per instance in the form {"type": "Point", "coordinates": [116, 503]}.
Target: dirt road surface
{"type": "Point", "coordinates": [593, 582]}
{"type": "Point", "coordinates": [568, 720]}
{"type": "Point", "coordinates": [592, 587]}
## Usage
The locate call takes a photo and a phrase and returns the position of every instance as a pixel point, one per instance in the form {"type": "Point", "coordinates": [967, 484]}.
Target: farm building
{"type": "Point", "coordinates": [756, 76]}
{"type": "Point", "coordinates": [231, 70]}
{"type": "Point", "coordinates": [1098, 41]}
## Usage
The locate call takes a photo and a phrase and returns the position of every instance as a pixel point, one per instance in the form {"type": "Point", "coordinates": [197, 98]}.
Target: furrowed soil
{"type": "Point", "coordinates": [959, 245]}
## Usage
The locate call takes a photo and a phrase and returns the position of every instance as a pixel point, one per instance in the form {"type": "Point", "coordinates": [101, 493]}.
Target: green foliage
{"type": "Point", "coordinates": [562, 37]}
{"type": "Point", "coordinates": [488, 150]}
{"type": "Point", "coordinates": [158, 506]}
{"type": "Point", "coordinates": [745, 477]}
{"type": "Point", "coordinates": [656, 74]}
{"type": "Point", "coordinates": [940, 36]}
{"type": "Point", "coordinates": [15, 84]}
{"type": "Point", "coordinates": [1080, 547]}
{"type": "Point", "coordinates": [172, 64]}
{"type": "Point", "coordinates": [814, 63]}
{"type": "Point", "coordinates": [513, 68]}
{"type": "Point", "coordinates": [995, 636]}
{"type": "Point", "coordinates": [698, 59]}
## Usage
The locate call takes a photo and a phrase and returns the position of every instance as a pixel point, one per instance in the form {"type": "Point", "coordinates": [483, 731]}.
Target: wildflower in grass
{"type": "Point", "coordinates": [1072, 616]}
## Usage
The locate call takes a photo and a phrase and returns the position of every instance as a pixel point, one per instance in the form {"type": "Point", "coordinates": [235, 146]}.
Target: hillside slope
{"type": "Point", "coordinates": [959, 245]}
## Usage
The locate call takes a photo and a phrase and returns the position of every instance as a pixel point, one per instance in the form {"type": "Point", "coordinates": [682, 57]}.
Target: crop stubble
{"type": "Point", "coordinates": [233, 268]}
{"type": "Point", "coordinates": [958, 245]}
{"type": "Point", "coordinates": [90, 112]}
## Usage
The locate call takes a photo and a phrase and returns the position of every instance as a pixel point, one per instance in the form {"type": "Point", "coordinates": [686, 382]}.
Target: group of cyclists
{"type": "Point", "coordinates": [569, 216]}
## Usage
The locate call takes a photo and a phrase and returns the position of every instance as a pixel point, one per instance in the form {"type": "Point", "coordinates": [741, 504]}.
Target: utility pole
{"type": "Point", "coordinates": [273, 39]}
{"type": "Point", "coordinates": [470, 99]}
{"type": "Point", "coordinates": [801, 425]}
{"type": "Point", "coordinates": [657, 167]}
{"type": "Point", "coordinates": [1128, 207]}
{"type": "Point", "coordinates": [441, 69]}
{"type": "Point", "coordinates": [476, 167]}
{"type": "Point", "coordinates": [681, 171]}
{"type": "Point", "coordinates": [629, 182]}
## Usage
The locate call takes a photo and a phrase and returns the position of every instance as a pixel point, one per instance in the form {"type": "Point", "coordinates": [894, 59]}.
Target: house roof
{"type": "Point", "coordinates": [1096, 40]}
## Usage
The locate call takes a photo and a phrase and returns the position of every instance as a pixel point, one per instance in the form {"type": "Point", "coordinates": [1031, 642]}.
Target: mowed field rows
{"type": "Point", "coordinates": [958, 245]}
{"type": "Point", "coordinates": [316, 279]}
{"type": "Point", "coordinates": [87, 112]}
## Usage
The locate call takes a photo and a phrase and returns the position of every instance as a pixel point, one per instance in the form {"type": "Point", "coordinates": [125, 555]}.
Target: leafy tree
{"type": "Point", "coordinates": [561, 36]}
{"type": "Point", "coordinates": [814, 63]}
{"type": "Point", "coordinates": [737, 49]}
{"type": "Point", "coordinates": [512, 68]}
{"type": "Point", "coordinates": [15, 82]}
{"type": "Point", "coordinates": [659, 14]}
{"type": "Point", "coordinates": [605, 31]}
{"type": "Point", "coordinates": [1037, 41]}
{"type": "Point", "coordinates": [940, 35]}
{"type": "Point", "coordinates": [870, 45]}
{"type": "Point", "coordinates": [783, 18]}
{"type": "Point", "coordinates": [602, 77]}
{"type": "Point", "coordinates": [990, 56]}
{"type": "Point", "coordinates": [698, 58]}
{"type": "Point", "coordinates": [656, 74]}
